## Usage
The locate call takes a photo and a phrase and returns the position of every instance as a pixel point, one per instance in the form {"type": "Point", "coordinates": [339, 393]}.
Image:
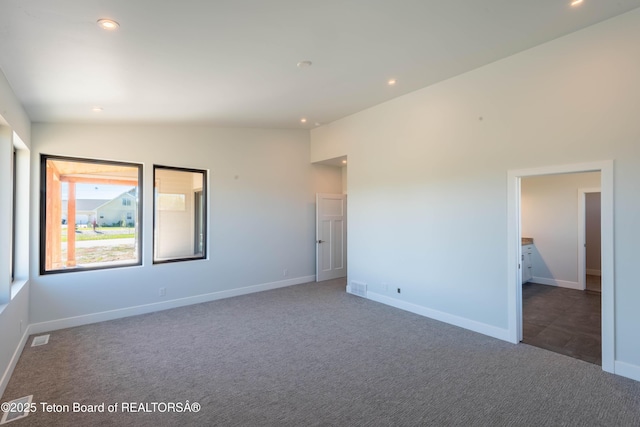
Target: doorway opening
{"type": "Point", "coordinates": [331, 221]}
{"type": "Point", "coordinates": [558, 313]}
{"type": "Point", "coordinates": [515, 252]}
{"type": "Point", "coordinates": [589, 240]}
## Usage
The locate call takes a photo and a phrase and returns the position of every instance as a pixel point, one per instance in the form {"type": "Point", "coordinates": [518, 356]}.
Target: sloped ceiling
{"type": "Point", "coordinates": [233, 62]}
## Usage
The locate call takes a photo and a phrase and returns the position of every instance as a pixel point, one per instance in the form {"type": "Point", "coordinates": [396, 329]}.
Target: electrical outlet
{"type": "Point", "coordinates": [285, 272]}
{"type": "Point", "coordinates": [398, 290]}
{"type": "Point", "coordinates": [162, 292]}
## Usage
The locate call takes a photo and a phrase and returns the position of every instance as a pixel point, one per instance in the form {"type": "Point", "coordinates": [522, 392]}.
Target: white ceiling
{"type": "Point", "coordinates": [233, 62]}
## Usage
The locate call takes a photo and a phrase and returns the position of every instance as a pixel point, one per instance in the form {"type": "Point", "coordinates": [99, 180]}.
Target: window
{"type": "Point", "coordinates": [179, 220]}
{"type": "Point", "coordinates": [84, 224]}
{"type": "Point", "coordinates": [14, 176]}
{"type": "Point", "coordinates": [18, 182]}
{"type": "Point", "coordinates": [126, 202]}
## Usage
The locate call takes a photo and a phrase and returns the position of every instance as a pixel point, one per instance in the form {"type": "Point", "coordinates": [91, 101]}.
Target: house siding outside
{"type": "Point", "coordinates": [120, 211]}
{"type": "Point", "coordinates": [107, 213]}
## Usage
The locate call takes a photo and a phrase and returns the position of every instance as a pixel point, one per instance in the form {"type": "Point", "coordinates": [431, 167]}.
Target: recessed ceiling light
{"type": "Point", "coordinates": [344, 162]}
{"type": "Point", "coordinates": [576, 2]}
{"type": "Point", "coordinates": [96, 109]}
{"type": "Point", "coordinates": [108, 24]}
{"type": "Point", "coordinates": [392, 82]}
{"type": "Point", "coordinates": [304, 64]}
{"type": "Point", "coordinates": [303, 120]}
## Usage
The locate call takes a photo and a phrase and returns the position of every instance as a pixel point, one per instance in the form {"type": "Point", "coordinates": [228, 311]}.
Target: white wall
{"type": "Point", "coordinates": [14, 321]}
{"type": "Point", "coordinates": [344, 180]}
{"type": "Point", "coordinates": [428, 175]}
{"type": "Point", "coordinates": [261, 217]}
{"type": "Point", "coordinates": [549, 213]}
{"type": "Point", "coordinates": [593, 233]}
{"type": "Point", "coordinates": [330, 148]}
{"type": "Point", "coordinates": [12, 113]}
{"type": "Point", "coordinates": [14, 301]}
{"type": "Point", "coordinates": [326, 179]}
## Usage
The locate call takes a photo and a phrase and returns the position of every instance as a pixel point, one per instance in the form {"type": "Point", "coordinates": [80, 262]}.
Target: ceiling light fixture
{"type": "Point", "coordinates": [97, 109]}
{"type": "Point", "coordinates": [344, 162]}
{"type": "Point", "coordinates": [108, 24]}
{"type": "Point", "coordinates": [392, 82]}
{"type": "Point", "coordinates": [303, 120]}
{"type": "Point", "coordinates": [576, 2]}
{"type": "Point", "coordinates": [304, 64]}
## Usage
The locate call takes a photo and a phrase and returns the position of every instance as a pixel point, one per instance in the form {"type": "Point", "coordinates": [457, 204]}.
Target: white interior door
{"type": "Point", "coordinates": [331, 236]}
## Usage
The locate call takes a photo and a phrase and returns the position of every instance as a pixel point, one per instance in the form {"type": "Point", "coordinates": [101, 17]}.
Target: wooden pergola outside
{"type": "Point", "coordinates": [74, 172]}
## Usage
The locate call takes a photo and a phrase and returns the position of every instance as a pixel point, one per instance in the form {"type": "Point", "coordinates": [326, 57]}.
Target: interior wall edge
{"type": "Point", "coordinates": [627, 370]}
{"type": "Point", "coordinates": [14, 360]}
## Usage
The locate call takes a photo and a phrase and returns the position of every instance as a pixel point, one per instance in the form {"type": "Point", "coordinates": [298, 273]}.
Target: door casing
{"type": "Point", "coordinates": [514, 250]}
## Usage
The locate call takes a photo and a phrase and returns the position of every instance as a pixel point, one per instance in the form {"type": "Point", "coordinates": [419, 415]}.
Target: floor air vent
{"type": "Point", "coordinates": [40, 340]}
{"type": "Point", "coordinates": [16, 409]}
{"type": "Point", "coordinates": [358, 288]}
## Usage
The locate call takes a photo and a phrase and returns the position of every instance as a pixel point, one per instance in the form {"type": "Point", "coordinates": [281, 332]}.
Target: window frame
{"type": "Point", "coordinates": [205, 195]}
{"type": "Point", "coordinates": [43, 214]}
{"type": "Point", "coordinates": [14, 191]}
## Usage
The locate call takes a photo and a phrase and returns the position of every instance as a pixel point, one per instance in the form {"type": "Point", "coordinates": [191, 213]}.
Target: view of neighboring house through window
{"type": "Point", "coordinates": [90, 215]}
{"type": "Point", "coordinates": [179, 220]}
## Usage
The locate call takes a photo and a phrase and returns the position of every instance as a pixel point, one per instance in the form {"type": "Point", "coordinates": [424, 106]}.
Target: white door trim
{"type": "Point", "coordinates": [514, 250]}
{"type": "Point", "coordinates": [582, 234]}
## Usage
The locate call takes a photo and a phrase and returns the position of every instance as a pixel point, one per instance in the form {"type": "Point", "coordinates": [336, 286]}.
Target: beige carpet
{"type": "Point", "coordinates": [311, 355]}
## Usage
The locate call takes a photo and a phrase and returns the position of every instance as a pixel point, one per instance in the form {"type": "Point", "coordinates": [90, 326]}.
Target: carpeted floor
{"type": "Point", "coordinates": [310, 355]}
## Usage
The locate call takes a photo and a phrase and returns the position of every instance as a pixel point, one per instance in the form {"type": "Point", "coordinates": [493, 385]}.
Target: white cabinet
{"type": "Point", "coordinates": [527, 267]}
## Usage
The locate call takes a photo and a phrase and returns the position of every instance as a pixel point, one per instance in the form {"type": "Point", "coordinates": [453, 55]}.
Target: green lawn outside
{"type": "Point", "coordinates": [101, 233]}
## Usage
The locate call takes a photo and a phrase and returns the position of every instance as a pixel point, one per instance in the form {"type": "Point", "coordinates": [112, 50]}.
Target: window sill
{"type": "Point", "coordinates": [17, 286]}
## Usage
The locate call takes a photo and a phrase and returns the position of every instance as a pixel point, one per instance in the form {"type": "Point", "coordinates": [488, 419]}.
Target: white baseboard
{"type": "Point", "coordinates": [69, 322]}
{"type": "Point", "coordinates": [14, 360]}
{"type": "Point", "coordinates": [482, 328]}
{"type": "Point", "coordinates": [555, 282]}
{"type": "Point", "coordinates": [620, 368]}
{"type": "Point", "coordinates": [592, 272]}
{"type": "Point", "coordinates": [627, 370]}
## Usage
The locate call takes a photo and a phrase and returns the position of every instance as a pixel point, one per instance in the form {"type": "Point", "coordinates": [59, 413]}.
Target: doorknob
{"type": "Point", "coordinates": [320, 241]}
